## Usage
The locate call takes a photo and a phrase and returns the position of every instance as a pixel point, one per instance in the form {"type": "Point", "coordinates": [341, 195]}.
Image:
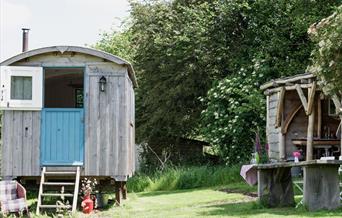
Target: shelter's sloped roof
{"type": "Point", "coordinates": [78, 49]}
{"type": "Point", "coordinates": [299, 78]}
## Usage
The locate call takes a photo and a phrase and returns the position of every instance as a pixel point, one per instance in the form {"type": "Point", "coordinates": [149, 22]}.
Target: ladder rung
{"type": "Point", "coordinates": [60, 173]}
{"type": "Point", "coordinates": [55, 206]}
{"type": "Point", "coordinates": [58, 183]}
{"type": "Point", "coordinates": [58, 194]}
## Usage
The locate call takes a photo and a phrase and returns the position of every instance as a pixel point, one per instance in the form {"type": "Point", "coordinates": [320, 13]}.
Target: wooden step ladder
{"type": "Point", "coordinates": [44, 184]}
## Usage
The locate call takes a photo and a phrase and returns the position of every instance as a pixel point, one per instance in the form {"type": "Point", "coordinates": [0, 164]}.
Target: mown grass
{"type": "Point", "coordinates": [179, 178]}
{"type": "Point", "coordinates": [205, 191]}
{"type": "Point", "coordinates": [207, 202]}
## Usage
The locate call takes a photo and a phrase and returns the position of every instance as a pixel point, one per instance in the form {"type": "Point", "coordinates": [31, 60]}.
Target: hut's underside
{"type": "Point", "coordinates": [299, 118]}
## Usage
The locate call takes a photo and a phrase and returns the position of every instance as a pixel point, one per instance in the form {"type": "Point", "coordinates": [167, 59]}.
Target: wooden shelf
{"type": "Point", "coordinates": [317, 142]}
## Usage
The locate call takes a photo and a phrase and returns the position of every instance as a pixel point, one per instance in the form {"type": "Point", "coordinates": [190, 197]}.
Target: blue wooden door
{"type": "Point", "coordinates": [62, 139]}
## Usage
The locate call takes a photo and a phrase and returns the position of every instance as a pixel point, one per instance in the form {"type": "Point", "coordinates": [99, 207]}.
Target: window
{"type": "Point", "coordinates": [63, 87]}
{"type": "Point", "coordinates": [21, 88]}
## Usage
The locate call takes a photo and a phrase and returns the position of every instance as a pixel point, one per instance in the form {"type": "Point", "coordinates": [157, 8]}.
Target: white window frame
{"type": "Point", "coordinates": [6, 103]}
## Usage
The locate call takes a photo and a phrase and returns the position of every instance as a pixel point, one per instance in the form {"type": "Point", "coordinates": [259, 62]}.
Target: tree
{"type": "Point", "coordinates": [275, 44]}
{"type": "Point", "coordinates": [184, 51]}
{"type": "Point", "coordinates": [118, 43]}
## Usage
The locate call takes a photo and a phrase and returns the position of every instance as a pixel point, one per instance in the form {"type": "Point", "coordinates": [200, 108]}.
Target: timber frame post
{"type": "Point", "coordinates": [311, 121]}
{"type": "Point", "coordinates": [310, 135]}
{"type": "Point", "coordinates": [118, 193]}
{"type": "Point", "coordinates": [280, 123]}
{"type": "Point", "coordinates": [124, 190]}
{"type": "Point", "coordinates": [338, 107]}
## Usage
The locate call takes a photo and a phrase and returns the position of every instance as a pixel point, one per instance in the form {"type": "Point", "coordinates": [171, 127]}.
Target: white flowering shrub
{"type": "Point", "coordinates": [327, 53]}
{"type": "Point", "coordinates": [235, 109]}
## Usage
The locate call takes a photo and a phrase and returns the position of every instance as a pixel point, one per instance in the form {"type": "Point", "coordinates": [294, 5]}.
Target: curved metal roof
{"type": "Point", "coordinates": [83, 50]}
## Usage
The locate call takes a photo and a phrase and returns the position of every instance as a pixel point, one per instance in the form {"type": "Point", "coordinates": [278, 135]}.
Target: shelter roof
{"type": "Point", "coordinates": [289, 81]}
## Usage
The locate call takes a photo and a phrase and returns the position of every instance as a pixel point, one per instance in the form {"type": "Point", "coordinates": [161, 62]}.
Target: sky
{"type": "Point", "coordinates": [57, 22]}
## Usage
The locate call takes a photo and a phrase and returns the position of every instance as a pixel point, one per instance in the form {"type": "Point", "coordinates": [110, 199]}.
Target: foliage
{"type": "Point", "coordinates": [172, 57]}
{"type": "Point", "coordinates": [177, 178]}
{"type": "Point", "coordinates": [118, 43]}
{"type": "Point", "coordinates": [275, 44]}
{"type": "Point", "coordinates": [235, 109]}
{"type": "Point", "coordinates": [183, 50]}
{"type": "Point", "coordinates": [327, 55]}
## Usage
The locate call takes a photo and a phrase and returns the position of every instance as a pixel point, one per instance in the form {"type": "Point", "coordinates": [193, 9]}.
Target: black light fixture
{"type": "Point", "coordinates": [103, 82]}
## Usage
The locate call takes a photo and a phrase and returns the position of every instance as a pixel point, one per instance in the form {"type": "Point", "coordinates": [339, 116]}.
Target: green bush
{"type": "Point", "coordinates": [178, 178]}
{"type": "Point", "coordinates": [235, 110]}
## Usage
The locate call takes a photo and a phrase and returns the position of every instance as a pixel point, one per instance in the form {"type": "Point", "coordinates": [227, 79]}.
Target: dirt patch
{"type": "Point", "coordinates": [236, 191]}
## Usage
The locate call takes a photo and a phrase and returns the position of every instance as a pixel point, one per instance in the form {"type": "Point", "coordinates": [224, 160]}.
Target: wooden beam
{"type": "Point", "coordinates": [302, 98]}
{"type": "Point", "coordinates": [124, 190]}
{"type": "Point", "coordinates": [319, 118]}
{"type": "Point", "coordinates": [288, 88]}
{"type": "Point", "coordinates": [282, 148]}
{"type": "Point", "coordinates": [280, 107]}
{"type": "Point", "coordinates": [309, 143]}
{"type": "Point", "coordinates": [311, 96]}
{"type": "Point", "coordinates": [118, 193]}
{"type": "Point", "coordinates": [290, 117]}
{"type": "Point", "coordinates": [268, 120]}
{"type": "Point", "coordinates": [286, 80]}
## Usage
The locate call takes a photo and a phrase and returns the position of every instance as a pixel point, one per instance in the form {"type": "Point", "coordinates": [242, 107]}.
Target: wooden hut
{"type": "Point", "coordinates": [67, 106]}
{"type": "Point", "coordinates": [300, 117]}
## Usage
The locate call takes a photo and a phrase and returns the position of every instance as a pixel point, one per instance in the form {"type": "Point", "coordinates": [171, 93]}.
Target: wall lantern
{"type": "Point", "coordinates": [103, 82]}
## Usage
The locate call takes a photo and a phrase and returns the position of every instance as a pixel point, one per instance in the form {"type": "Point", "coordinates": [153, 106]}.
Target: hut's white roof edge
{"type": "Point", "coordinates": [78, 49]}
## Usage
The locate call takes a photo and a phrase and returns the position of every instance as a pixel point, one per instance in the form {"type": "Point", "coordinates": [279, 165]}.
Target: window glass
{"type": "Point", "coordinates": [79, 97]}
{"type": "Point", "coordinates": [21, 87]}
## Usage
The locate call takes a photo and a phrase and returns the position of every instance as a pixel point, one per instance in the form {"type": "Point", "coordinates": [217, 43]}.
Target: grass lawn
{"type": "Point", "coordinates": [209, 202]}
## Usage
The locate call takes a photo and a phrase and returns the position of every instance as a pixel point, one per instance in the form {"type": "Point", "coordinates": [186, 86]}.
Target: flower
{"type": "Point", "coordinates": [88, 185]}
{"type": "Point", "coordinates": [296, 154]}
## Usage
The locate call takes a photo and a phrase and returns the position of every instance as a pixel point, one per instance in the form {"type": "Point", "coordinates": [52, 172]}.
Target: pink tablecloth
{"type": "Point", "coordinates": [249, 173]}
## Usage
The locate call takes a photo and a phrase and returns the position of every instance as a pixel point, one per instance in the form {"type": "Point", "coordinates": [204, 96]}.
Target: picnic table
{"type": "Point", "coordinates": [321, 184]}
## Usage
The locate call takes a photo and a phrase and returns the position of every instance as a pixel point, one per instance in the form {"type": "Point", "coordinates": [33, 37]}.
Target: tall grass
{"type": "Point", "coordinates": [185, 178]}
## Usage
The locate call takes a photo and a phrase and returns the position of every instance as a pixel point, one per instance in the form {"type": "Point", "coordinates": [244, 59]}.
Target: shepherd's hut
{"type": "Point", "coordinates": [64, 108]}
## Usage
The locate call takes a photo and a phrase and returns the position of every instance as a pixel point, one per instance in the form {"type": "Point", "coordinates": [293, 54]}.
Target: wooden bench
{"type": "Point", "coordinates": [321, 184]}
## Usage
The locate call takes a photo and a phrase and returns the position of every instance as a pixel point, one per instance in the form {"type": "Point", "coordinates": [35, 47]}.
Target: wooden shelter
{"type": "Point", "coordinates": [301, 117]}
{"type": "Point", "coordinates": [66, 107]}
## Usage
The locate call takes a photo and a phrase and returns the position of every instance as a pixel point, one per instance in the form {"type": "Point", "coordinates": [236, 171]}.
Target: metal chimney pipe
{"type": "Point", "coordinates": [25, 38]}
